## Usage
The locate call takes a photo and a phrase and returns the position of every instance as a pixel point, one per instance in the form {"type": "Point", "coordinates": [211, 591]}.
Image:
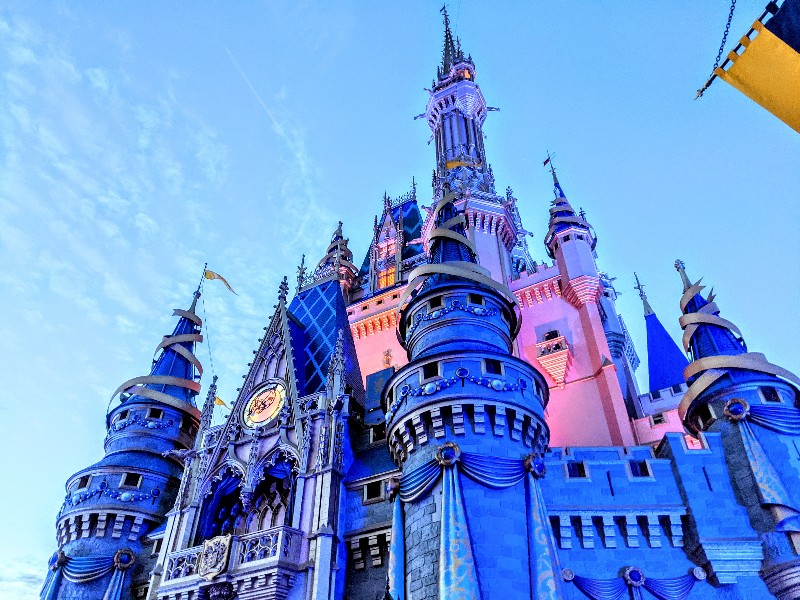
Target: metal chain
{"type": "Point", "coordinates": [724, 37]}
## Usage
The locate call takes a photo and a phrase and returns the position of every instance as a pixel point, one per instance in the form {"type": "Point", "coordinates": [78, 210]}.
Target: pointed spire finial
{"type": "Point", "coordinates": [648, 310]}
{"type": "Point", "coordinates": [283, 289]}
{"type": "Point", "coordinates": [559, 193]}
{"type": "Point", "coordinates": [301, 273]}
{"type": "Point", "coordinates": [449, 52]}
{"type": "Point", "coordinates": [680, 266]}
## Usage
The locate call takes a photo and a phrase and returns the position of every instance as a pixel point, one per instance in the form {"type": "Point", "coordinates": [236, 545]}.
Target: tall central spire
{"type": "Point", "coordinates": [451, 53]}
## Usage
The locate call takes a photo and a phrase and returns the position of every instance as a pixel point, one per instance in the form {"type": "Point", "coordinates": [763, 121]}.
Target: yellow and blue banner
{"type": "Point", "coordinates": [767, 69]}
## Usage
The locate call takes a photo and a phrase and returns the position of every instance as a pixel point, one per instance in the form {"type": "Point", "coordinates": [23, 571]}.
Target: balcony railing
{"type": "Point", "coordinates": [182, 563]}
{"type": "Point", "coordinates": [275, 544]}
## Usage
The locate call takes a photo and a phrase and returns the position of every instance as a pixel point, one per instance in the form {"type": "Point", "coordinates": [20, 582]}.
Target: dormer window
{"type": "Point", "coordinates": [386, 277]}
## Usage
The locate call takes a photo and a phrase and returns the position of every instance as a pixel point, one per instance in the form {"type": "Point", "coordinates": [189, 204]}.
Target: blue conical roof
{"type": "Point", "coordinates": [173, 364]}
{"type": "Point", "coordinates": [665, 361]}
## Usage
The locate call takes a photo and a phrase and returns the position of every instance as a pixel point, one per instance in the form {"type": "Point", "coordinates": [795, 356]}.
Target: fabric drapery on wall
{"type": "Point", "coordinates": [458, 577]}
{"type": "Point", "coordinates": [85, 569]}
{"type": "Point", "coordinates": [780, 419]}
{"type": "Point", "coordinates": [543, 558]}
{"type": "Point", "coordinates": [770, 487]}
{"type": "Point", "coordinates": [768, 69]}
{"type": "Point", "coordinates": [397, 554]}
{"type": "Point", "coordinates": [675, 588]}
{"type": "Point", "coordinates": [601, 589]}
{"type": "Point", "coordinates": [457, 570]}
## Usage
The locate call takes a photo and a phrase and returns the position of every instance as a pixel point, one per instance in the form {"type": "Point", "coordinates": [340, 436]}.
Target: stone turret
{"type": "Point", "coordinates": [462, 392]}
{"type": "Point", "coordinates": [111, 505]}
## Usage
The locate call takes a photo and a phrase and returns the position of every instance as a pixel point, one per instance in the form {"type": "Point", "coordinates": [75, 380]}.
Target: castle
{"type": "Point", "coordinates": [450, 420]}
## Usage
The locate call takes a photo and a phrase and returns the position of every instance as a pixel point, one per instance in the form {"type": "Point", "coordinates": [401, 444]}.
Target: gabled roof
{"type": "Point", "coordinates": [412, 230]}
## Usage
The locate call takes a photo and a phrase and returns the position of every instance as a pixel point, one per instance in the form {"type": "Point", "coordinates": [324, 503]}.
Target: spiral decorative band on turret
{"type": "Point", "coordinates": [712, 368]}
{"type": "Point", "coordinates": [175, 343]}
{"type": "Point", "coordinates": [466, 270]}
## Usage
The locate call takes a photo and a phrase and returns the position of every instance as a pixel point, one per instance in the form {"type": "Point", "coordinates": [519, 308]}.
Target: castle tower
{"type": "Point", "coordinates": [113, 504]}
{"type": "Point", "coordinates": [571, 241]}
{"type": "Point", "coordinates": [665, 370]}
{"type": "Point", "coordinates": [336, 264]}
{"type": "Point", "coordinates": [461, 416]}
{"type": "Point", "coordinates": [752, 405]}
{"type": "Point", "coordinates": [456, 112]}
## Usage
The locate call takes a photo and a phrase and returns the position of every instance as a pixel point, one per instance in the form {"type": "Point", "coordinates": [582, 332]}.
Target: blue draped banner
{"type": "Point", "coordinates": [672, 588]}
{"type": "Point", "coordinates": [85, 569]}
{"type": "Point", "coordinates": [780, 419]}
{"type": "Point", "coordinates": [675, 588]}
{"type": "Point", "coordinates": [396, 585]}
{"type": "Point", "coordinates": [601, 589]}
{"type": "Point", "coordinates": [542, 555]}
{"type": "Point", "coordinates": [458, 577]}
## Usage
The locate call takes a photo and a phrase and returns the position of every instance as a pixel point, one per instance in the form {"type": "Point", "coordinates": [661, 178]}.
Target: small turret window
{"type": "Point", "coordinates": [83, 482]}
{"type": "Point", "coordinates": [551, 335]}
{"type": "Point", "coordinates": [435, 302]}
{"type": "Point", "coordinates": [566, 238]}
{"type": "Point", "coordinates": [770, 394]}
{"type": "Point", "coordinates": [576, 469]}
{"type": "Point", "coordinates": [659, 419]}
{"type": "Point", "coordinates": [492, 366]}
{"type": "Point", "coordinates": [155, 413]}
{"type": "Point", "coordinates": [373, 491]}
{"type": "Point", "coordinates": [640, 468]}
{"type": "Point", "coordinates": [430, 371]}
{"type": "Point", "coordinates": [476, 299]}
{"type": "Point", "coordinates": [130, 480]}
{"type": "Point", "coordinates": [121, 416]}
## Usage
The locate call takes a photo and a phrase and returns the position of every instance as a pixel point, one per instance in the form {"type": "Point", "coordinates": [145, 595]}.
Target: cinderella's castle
{"type": "Point", "coordinates": [449, 419]}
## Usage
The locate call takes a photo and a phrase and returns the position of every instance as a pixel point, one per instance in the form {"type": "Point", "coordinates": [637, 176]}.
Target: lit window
{"type": "Point", "coordinates": [387, 249]}
{"type": "Point", "coordinates": [386, 277]}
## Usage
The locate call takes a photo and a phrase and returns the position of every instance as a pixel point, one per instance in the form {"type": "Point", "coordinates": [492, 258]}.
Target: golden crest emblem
{"type": "Point", "coordinates": [213, 559]}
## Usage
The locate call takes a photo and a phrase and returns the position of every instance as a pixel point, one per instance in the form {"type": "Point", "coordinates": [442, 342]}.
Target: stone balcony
{"type": "Point", "coordinates": [262, 564]}
{"type": "Point", "coordinates": [555, 357]}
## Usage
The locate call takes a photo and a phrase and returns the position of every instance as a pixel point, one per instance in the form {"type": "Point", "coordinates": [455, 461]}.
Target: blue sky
{"type": "Point", "coordinates": [139, 140]}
